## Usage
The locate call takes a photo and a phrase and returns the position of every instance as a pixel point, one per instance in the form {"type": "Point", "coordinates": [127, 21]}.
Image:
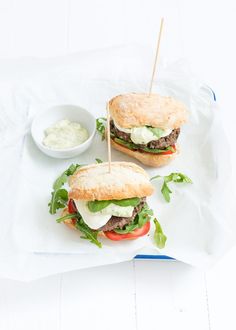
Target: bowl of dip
{"type": "Point", "coordinates": [63, 131]}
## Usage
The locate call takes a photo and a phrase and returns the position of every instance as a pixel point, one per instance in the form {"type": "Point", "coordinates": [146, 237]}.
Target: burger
{"type": "Point", "coordinates": [146, 127]}
{"type": "Point", "coordinates": [112, 204]}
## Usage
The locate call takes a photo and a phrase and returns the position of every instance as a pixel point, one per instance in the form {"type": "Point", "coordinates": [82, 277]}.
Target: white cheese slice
{"type": "Point", "coordinates": [141, 135]}
{"type": "Point", "coordinates": [122, 129]}
{"type": "Point", "coordinates": [99, 219]}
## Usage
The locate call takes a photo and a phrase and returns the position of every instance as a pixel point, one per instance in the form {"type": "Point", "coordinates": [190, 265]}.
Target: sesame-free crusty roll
{"type": "Point", "coordinates": [146, 127]}
{"type": "Point", "coordinates": [139, 109]}
{"type": "Point", "coordinates": [94, 182]}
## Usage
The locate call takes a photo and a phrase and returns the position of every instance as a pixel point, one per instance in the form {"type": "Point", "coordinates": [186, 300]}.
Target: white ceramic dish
{"type": "Point", "coordinates": [53, 114]}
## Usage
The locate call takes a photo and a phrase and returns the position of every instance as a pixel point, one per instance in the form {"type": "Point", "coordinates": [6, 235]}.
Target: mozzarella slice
{"type": "Point", "coordinates": [99, 219]}
{"type": "Point", "coordinates": [122, 129]}
{"type": "Point", "coordinates": [141, 135]}
{"type": "Point", "coordinates": [93, 220]}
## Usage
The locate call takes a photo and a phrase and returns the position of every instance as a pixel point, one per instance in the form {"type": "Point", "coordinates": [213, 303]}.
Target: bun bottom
{"type": "Point", "coordinates": [153, 160]}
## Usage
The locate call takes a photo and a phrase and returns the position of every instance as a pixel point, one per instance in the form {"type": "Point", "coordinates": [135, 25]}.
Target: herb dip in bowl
{"type": "Point", "coordinates": [63, 131]}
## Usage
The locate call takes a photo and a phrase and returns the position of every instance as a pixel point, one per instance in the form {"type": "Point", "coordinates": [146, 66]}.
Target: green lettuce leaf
{"type": "Point", "coordinates": [127, 202]}
{"type": "Point", "coordinates": [96, 206]}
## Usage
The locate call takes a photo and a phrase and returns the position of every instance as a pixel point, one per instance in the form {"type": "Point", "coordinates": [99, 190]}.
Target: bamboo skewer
{"type": "Point", "coordinates": [156, 56]}
{"type": "Point", "coordinates": [108, 139]}
{"type": "Point", "coordinates": [150, 91]}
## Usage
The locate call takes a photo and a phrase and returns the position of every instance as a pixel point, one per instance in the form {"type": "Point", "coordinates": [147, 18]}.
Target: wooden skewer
{"type": "Point", "coordinates": [156, 56]}
{"type": "Point", "coordinates": [108, 139]}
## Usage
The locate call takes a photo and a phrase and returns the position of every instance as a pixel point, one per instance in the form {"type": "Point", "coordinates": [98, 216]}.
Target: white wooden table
{"type": "Point", "coordinates": [139, 294]}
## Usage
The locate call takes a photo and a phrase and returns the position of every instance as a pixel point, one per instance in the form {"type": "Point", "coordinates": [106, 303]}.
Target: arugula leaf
{"type": "Point", "coordinates": [175, 177]}
{"type": "Point", "coordinates": [67, 216]}
{"type": "Point", "coordinates": [87, 232]}
{"type": "Point", "coordinates": [101, 126]}
{"type": "Point", "coordinates": [62, 179]}
{"type": "Point", "coordinates": [99, 161]}
{"type": "Point", "coordinates": [158, 151]}
{"type": "Point", "coordinates": [128, 145]}
{"type": "Point", "coordinates": [158, 132]}
{"type": "Point", "coordinates": [139, 221]}
{"type": "Point", "coordinates": [96, 206]}
{"type": "Point", "coordinates": [71, 170]}
{"type": "Point", "coordinates": [178, 177]}
{"type": "Point", "coordinates": [165, 190]}
{"type": "Point", "coordinates": [133, 146]}
{"type": "Point", "coordinates": [128, 228]}
{"type": "Point", "coordinates": [145, 215]}
{"type": "Point", "coordinates": [60, 196]}
{"type": "Point", "coordinates": [159, 237]}
{"type": "Point", "coordinates": [58, 201]}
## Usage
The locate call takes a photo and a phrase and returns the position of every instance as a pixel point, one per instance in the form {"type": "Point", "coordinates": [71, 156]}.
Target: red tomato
{"type": "Point", "coordinates": [72, 209]}
{"type": "Point", "coordinates": [133, 235]}
{"type": "Point", "coordinates": [168, 152]}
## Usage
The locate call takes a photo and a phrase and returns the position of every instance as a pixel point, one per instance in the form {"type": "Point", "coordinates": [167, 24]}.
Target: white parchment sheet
{"type": "Point", "coordinates": [198, 221]}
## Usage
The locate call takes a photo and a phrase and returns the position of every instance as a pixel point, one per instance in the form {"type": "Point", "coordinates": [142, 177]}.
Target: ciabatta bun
{"type": "Point", "coordinates": [135, 110]}
{"type": "Point", "coordinates": [94, 182]}
{"type": "Point", "coordinates": [153, 160]}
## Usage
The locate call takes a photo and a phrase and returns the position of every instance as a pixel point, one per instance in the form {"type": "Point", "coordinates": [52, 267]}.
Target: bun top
{"type": "Point", "coordinates": [139, 109]}
{"type": "Point", "coordinates": [94, 182]}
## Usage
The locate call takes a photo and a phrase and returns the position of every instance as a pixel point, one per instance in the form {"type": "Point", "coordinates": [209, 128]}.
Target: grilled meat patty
{"type": "Point", "coordinates": [124, 136]}
{"type": "Point", "coordinates": [165, 141]}
{"type": "Point", "coordinates": [120, 222]}
{"type": "Point", "coordinates": [161, 143]}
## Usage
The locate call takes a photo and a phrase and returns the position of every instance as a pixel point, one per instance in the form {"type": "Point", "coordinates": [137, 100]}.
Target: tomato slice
{"type": "Point", "coordinates": [133, 235]}
{"type": "Point", "coordinates": [72, 209]}
{"type": "Point", "coordinates": [169, 152]}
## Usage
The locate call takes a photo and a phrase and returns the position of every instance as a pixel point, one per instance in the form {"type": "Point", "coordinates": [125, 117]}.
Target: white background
{"type": "Point", "coordinates": [137, 294]}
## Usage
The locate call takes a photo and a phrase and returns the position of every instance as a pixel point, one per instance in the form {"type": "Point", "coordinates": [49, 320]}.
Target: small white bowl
{"type": "Point", "coordinates": [53, 114]}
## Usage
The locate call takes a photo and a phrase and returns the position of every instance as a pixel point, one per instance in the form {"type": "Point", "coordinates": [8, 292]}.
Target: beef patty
{"type": "Point", "coordinates": [161, 143]}
{"type": "Point", "coordinates": [120, 222]}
